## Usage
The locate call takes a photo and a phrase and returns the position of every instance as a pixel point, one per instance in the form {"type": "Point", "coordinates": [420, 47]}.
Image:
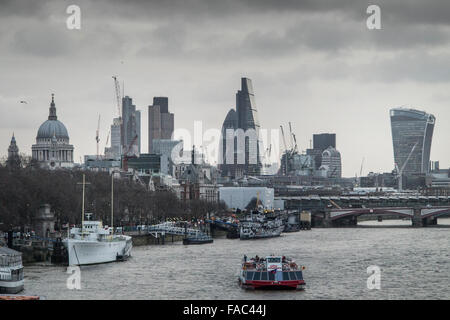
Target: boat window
{"type": "Point", "coordinates": [273, 260]}
{"type": "Point", "coordinates": [250, 275]}
{"type": "Point", "coordinates": [299, 275]}
{"type": "Point", "coordinates": [257, 276]}
{"type": "Point", "coordinates": [292, 276]}
{"type": "Point", "coordinates": [271, 276]}
{"type": "Point", "coordinates": [285, 275]}
{"type": "Point", "coordinates": [264, 276]}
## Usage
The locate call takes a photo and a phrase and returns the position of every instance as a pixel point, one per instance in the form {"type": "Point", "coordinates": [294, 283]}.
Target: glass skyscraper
{"type": "Point", "coordinates": [412, 128]}
{"type": "Point", "coordinates": [245, 155]}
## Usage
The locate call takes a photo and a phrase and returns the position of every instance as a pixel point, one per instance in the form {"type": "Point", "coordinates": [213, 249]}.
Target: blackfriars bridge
{"type": "Point", "coordinates": [345, 210]}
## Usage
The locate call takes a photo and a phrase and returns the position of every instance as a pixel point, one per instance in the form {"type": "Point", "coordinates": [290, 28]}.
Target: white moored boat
{"type": "Point", "coordinates": [92, 243]}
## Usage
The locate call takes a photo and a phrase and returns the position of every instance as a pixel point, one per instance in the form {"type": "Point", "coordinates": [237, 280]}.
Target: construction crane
{"type": "Point", "coordinates": [362, 163]}
{"type": "Point", "coordinates": [286, 151]}
{"type": "Point", "coordinates": [295, 143]}
{"type": "Point", "coordinates": [267, 156]}
{"type": "Point", "coordinates": [97, 137]}
{"type": "Point", "coordinates": [107, 138]}
{"type": "Point", "coordinates": [291, 135]}
{"type": "Point", "coordinates": [117, 89]}
{"type": "Point", "coordinates": [119, 113]}
{"type": "Point", "coordinates": [284, 139]}
{"type": "Point", "coordinates": [126, 155]}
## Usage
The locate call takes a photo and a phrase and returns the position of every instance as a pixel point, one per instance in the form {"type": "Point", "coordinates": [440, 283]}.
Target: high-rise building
{"type": "Point", "coordinates": [165, 147]}
{"type": "Point", "coordinates": [324, 140]}
{"type": "Point", "coordinates": [115, 151]}
{"type": "Point", "coordinates": [321, 142]}
{"type": "Point", "coordinates": [331, 162]}
{"type": "Point", "coordinates": [131, 126]}
{"type": "Point", "coordinates": [412, 134]}
{"type": "Point", "coordinates": [160, 121]}
{"type": "Point", "coordinates": [244, 158]}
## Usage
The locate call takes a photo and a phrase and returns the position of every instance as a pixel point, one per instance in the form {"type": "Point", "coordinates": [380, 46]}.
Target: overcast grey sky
{"type": "Point", "coordinates": [313, 63]}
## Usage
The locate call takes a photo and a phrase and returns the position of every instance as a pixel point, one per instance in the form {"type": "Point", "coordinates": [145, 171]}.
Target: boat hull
{"type": "Point", "coordinates": [11, 287]}
{"type": "Point", "coordinates": [273, 285]}
{"type": "Point", "coordinates": [82, 252]}
{"type": "Point", "coordinates": [196, 241]}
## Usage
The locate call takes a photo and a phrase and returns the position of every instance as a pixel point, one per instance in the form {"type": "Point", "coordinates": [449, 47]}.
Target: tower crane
{"type": "Point", "coordinates": [295, 143]}
{"type": "Point", "coordinates": [291, 135]}
{"type": "Point", "coordinates": [284, 139]}
{"type": "Point", "coordinates": [97, 137]}
{"type": "Point", "coordinates": [117, 91]}
{"type": "Point", "coordinates": [286, 155]}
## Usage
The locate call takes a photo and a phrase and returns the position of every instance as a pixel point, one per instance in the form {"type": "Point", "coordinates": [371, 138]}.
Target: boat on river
{"type": "Point", "coordinates": [271, 272]}
{"type": "Point", "coordinates": [201, 239]}
{"type": "Point", "coordinates": [11, 271]}
{"type": "Point", "coordinates": [92, 243]}
{"type": "Point", "coordinates": [259, 224]}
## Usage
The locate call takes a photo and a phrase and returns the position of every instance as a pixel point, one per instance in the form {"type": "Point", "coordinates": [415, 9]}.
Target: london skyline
{"type": "Point", "coordinates": [339, 78]}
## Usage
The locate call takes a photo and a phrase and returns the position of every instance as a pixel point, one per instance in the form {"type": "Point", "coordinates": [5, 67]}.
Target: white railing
{"type": "Point", "coordinates": [171, 229]}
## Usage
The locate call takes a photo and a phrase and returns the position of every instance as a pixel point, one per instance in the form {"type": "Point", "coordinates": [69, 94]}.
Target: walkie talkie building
{"type": "Point", "coordinates": [412, 134]}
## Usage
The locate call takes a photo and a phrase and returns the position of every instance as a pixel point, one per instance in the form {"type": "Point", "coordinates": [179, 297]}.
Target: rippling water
{"type": "Point", "coordinates": [415, 264]}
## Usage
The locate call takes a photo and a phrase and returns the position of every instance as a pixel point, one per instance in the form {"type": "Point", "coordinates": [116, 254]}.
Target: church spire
{"type": "Point", "coordinates": [52, 114]}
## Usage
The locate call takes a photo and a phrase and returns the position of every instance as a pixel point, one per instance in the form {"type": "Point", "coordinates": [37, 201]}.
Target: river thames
{"type": "Point", "coordinates": [414, 263]}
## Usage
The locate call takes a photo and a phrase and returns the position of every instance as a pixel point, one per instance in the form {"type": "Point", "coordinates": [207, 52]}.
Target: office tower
{"type": "Point", "coordinates": [331, 161]}
{"type": "Point", "coordinates": [412, 134]}
{"type": "Point", "coordinates": [160, 121]}
{"type": "Point", "coordinates": [164, 148]}
{"type": "Point", "coordinates": [228, 157]}
{"type": "Point", "coordinates": [321, 142]}
{"type": "Point", "coordinates": [115, 151]}
{"type": "Point", "coordinates": [131, 126]}
{"type": "Point", "coordinates": [324, 140]}
{"type": "Point", "coordinates": [244, 121]}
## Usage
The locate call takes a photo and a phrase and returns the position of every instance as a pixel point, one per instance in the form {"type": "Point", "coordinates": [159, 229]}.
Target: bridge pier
{"type": "Point", "coordinates": [325, 222]}
{"type": "Point", "coordinates": [417, 220]}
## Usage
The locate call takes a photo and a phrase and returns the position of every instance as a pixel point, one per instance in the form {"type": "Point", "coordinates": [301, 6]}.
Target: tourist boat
{"type": "Point", "coordinates": [259, 225]}
{"type": "Point", "coordinates": [93, 243]}
{"type": "Point", "coordinates": [272, 272]}
{"type": "Point", "coordinates": [11, 271]}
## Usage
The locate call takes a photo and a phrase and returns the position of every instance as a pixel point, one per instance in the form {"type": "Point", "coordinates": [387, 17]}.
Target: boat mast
{"type": "Point", "coordinates": [82, 206]}
{"type": "Point", "coordinates": [112, 203]}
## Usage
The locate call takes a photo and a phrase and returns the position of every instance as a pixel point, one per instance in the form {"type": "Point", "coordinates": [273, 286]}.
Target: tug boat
{"type": "Point", "coordinates": [272, 272]}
